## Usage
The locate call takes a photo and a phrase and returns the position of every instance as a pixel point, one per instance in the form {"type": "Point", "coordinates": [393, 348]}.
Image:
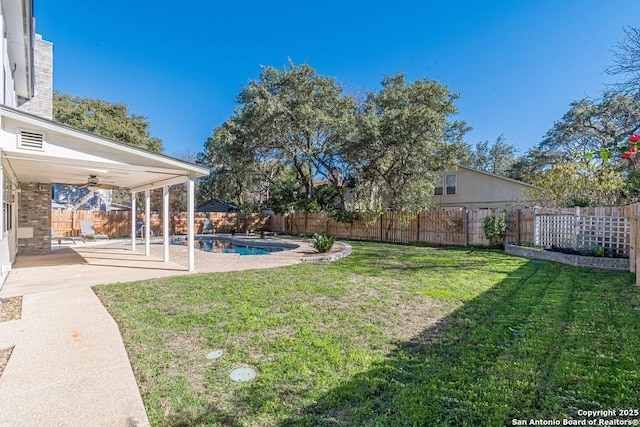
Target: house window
{"type": "Point", "coordinates": [451, 183]}
{"type": "Point", "coordinates": [438, 191]}
{"type": "Point", "coordinates": [446, 186]}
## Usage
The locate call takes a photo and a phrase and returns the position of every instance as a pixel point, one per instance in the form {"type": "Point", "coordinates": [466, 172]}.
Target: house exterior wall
{"type": "Point", "coordinates": [8, 222]}
{"type": "Point", "coordinates": [42, 102]}
{"type": "Point", "coordinates": [34, 219]}
{"type": "Point", "coordinates": [477, 190]}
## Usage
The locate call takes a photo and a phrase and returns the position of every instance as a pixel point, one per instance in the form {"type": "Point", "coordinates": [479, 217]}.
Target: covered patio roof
{"type": "Point", "coordinates": [66, 155]}
{"type": "Point", "coordinates": [38, 150]}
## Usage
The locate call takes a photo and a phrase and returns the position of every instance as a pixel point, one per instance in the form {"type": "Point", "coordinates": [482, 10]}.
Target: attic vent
{"type": "Point", "coordinates": [31, 140]}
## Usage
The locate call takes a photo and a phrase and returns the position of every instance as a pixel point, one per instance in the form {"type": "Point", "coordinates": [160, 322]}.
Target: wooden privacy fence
{"type": "Point", "coordinates": [608, 227]}
{"type": "Point", "coordinates": [118, 223]}
{"type": "Point", "coordinates": [455, 228]}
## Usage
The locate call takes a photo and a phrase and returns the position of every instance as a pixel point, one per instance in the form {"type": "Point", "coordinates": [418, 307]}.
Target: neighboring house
{"type": "Point", "coordinates": [80, 198]}
{"type": "Point", "coordinates": [216, 205]}
{"type": "Point", "coordinates": [36, 152]}
{"type": "Point", "coordinates": [464, 187]}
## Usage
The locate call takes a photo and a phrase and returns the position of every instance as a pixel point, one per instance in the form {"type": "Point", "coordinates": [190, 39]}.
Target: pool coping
{"type": "Point", "coordinates": [288, 245]}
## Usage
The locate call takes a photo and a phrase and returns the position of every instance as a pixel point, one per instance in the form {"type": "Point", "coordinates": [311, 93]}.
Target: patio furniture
{"type": "Point", "coordinates": [74, 239]}
{"type": "Point", "coordinates": [88, 230]}
{"type": "Point", "coordinates": [207, 227]}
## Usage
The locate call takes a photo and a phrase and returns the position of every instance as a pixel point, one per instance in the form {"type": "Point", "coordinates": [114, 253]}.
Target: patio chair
{"type": "Point", "coordinates": [208, 227]}
{"type": "Point", "coordinates": [87, 230]}
{"type": "Point", "coordinates": [74, 239]}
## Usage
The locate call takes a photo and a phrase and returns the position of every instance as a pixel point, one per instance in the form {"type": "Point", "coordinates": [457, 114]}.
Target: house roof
{"type": "Point", "coordinates": [526, 184]}
{"type": "Point", "coordinates": [69, 156]}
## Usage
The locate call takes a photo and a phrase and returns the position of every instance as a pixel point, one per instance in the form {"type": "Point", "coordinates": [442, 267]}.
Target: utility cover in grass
{"type": "Point", "coordinates": [242, 375]}
{"type": "Point", "coordinates": [215, 354]}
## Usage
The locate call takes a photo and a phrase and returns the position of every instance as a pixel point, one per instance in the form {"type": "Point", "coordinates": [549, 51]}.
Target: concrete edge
{"type": "Point", "coordinates": [619, 264]}
{"type": "Point", "coordinates": [346, 251]}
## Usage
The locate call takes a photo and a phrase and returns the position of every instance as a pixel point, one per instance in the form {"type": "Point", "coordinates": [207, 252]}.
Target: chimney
{"type": "Point", "coordinates": [42, 102]}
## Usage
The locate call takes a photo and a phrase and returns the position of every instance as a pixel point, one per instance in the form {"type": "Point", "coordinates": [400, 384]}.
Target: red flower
{"type": "Point", "coordinates": [627, 155]}
{"type": "Point", "coordinates": [635, 138]}
{"type": "Point", "coordinates": [633, 149]}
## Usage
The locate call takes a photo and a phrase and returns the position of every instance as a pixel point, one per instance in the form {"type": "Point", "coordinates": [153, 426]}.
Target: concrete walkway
{"type": "Point", "coordinates": [69, 366]}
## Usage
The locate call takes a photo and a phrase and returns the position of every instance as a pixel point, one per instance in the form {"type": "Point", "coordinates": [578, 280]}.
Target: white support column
{"type": "Point", "coordinates": [147, 222]}
{"type": "Point", "coordinates": [190, 224]}
{"type": "Point", "coordinates": [2, 197]}
{"type": "Point", "coordinates": [134, 219]}
{"type": "Point", "coordinates": [165, 221]}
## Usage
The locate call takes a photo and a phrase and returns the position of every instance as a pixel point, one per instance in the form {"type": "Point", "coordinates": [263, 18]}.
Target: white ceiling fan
{"type": "Point", "coordinates": [93, 183]}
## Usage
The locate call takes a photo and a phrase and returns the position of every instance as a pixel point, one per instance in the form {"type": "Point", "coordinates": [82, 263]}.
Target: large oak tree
{"type": "Point", "coordinates": [111, 120]}
{"type": "Point", "coordinates": [405, 141]}
{"type": "Point", "coordinates": [391, 146]}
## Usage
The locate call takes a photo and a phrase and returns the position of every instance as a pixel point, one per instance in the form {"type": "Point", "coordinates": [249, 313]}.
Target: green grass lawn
{"type": "Point", "coordinates": [391, 335]}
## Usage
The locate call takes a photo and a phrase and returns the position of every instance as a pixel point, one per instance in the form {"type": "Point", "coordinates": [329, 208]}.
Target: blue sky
{"type": "Point", "coordinates": [516, 64]}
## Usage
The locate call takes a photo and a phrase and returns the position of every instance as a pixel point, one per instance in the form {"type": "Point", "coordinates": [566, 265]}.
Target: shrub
{"type": "Point", "coordinates": [322, 242]}
{"type": "Point", "coordinates": [598, 251]}
{"type": "Point", "coordinates": [495, 227]}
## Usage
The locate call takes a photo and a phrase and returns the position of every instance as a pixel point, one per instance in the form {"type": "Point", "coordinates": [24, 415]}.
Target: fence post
{"type": "Point", "coordinates": [633, 231]}
{"type": "Point", "coordinates": [516, 226]}
{"type": "Point", "coordinates": [635, 223]}
{"type": "Point", "coordinates": [576, 227]}
{"type": "Point", "coordinates": [326, 223]}
{"type": "Point", "coordinates": [465, 226]}
{"type": "Point", "coordinates": [536, 227]}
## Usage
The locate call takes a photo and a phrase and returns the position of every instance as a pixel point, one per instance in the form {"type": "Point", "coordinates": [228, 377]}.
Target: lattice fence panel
{"type": "Point", "coordinates": [606, 231]}
{"type": "Point", "coordinates": [554, 230]}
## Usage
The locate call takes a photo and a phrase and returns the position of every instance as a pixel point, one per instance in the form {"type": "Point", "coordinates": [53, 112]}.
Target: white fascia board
{"type": "Point", "coordinates": [162, 183]}
{"type": "Point", "coordinates": [20, 39]}
{"type": "Point", "coordinates": [194, 171]}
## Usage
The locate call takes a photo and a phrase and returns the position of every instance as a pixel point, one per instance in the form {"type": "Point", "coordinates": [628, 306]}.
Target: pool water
{"type": "Point", "coordinates": [225, 245]}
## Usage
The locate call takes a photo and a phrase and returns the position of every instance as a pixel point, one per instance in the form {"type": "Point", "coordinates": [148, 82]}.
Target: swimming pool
{"type": "Point", "coordinates": [227, 245]}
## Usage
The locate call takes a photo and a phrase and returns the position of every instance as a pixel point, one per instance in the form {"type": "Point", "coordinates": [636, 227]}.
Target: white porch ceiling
{"type": "Point", "coordinates": [70, 156]}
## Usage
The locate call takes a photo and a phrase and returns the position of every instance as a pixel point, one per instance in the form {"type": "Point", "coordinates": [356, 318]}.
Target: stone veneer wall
{"type": "Point", "coordinates": [42, 102]}
{"type": "Point", "coordinates": [34, 219]}
{"type": "Point", "coordinates": [575, 260]}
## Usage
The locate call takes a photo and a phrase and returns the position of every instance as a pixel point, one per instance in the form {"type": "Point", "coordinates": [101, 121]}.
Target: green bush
{"type": "Point", "coordinates": [322, 242]}
{"type": "Point", "coordinates": [598, 251]}
{"type": "Point", "coordinates": [495, 227]}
